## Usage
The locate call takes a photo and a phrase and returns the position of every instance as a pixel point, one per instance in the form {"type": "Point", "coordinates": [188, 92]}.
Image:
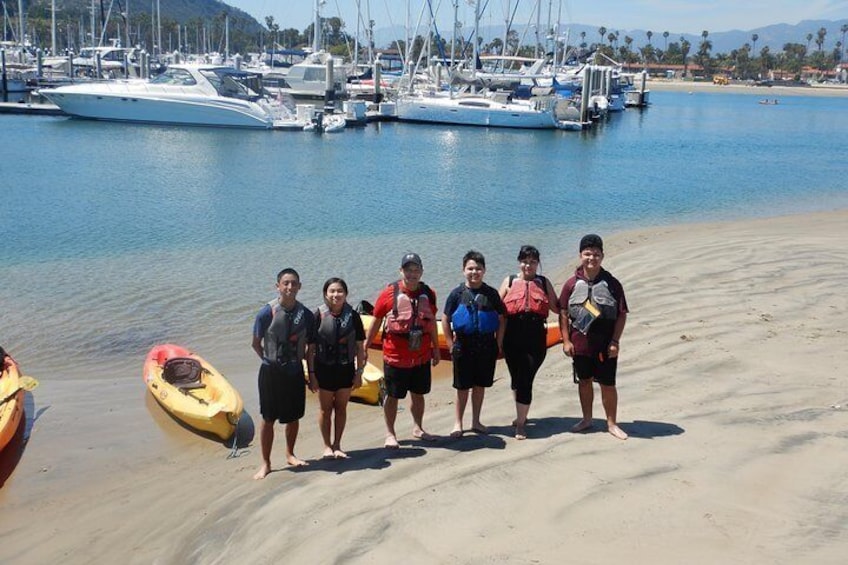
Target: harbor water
{"type": "Point", "coordinates": [116, 237]}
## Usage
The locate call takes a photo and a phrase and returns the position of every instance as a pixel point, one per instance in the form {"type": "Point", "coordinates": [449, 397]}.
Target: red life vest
{"type": "Point", "coordinates": [527, 297]}
{"type": "Point", "coordinates": [408, 313]}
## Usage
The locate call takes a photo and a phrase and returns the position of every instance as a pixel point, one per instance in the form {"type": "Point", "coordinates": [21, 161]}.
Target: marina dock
{"type": "Point", "coordinates": [30, 109]}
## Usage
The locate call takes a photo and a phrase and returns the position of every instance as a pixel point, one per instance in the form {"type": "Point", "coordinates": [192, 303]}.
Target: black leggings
{"type": "Point", "coordinates": [524, 351]}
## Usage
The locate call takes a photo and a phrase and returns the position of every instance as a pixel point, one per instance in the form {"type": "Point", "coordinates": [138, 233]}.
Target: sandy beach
{"type": "Point", "coordinates": [729, 385]}
{"type": "Point", "coordinates": [771, 92]}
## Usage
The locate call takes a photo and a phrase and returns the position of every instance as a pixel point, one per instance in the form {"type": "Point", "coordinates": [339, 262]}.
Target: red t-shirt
{"type": "Point", "coordinates": [396, 346]}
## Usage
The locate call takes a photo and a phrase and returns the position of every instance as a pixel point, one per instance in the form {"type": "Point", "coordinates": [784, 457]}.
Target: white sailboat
{"type": "Point", "coordinates": [476, 108]}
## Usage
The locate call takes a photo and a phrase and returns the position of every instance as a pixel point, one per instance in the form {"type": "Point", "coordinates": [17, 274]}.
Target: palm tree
{"type": "Point", "coordinates": [582, 39]}
{"type": "Point", "coordinates": [650, 34]}
{"type": "Point", "coordinates": [684, 50]}
{"type": "Point", "coordinates": [844, 30]}
{"type": "Point", "coordinates": [754, 38]}
{"type": "Point", "coordinates": [809, 39]}
{"type": "Point", "coordinates": [820, 35]}
{"type": "Point", "coordinates": [665, 49]}
{"type": "Point", "coordinates": [602, 31]}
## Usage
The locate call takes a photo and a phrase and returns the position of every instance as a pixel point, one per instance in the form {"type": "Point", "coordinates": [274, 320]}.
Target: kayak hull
{"type": "Point", "coordinates": [12, 408]}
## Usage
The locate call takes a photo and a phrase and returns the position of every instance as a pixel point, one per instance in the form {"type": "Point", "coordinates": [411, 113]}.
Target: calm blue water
{"type": "Point", "coordinates": [115, 237]}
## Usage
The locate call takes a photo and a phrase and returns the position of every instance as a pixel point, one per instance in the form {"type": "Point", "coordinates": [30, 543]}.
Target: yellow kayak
{"type": "Point", "coordinates": [11, 400]}
{"type": "Point", "coordinates": [372, 382]}
{"type": "Point", "coordinates": [192, 390]}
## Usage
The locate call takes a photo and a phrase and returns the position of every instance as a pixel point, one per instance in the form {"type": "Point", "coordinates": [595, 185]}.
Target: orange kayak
{"type": "Point", "coordinates": [553, 336]}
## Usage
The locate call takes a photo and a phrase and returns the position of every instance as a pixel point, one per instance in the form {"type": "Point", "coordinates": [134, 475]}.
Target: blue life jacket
{"type": "Point", "coordinates": [474, 315]}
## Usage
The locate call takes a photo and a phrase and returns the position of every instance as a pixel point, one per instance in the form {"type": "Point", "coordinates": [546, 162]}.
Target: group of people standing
{"type": "Point", "coordinates": [479, 324]}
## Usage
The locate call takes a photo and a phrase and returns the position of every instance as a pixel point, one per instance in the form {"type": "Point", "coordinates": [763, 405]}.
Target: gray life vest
{"type": "Point", "coordinates": [336, 336]}
{"type": "Point", "coordinates": [285, 339]}
{"type": "Point", "coordinates": [589, 301]}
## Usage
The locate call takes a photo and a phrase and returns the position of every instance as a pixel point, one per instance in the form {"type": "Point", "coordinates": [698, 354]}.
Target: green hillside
{"type": "Point", "coordinates": [200, 21]}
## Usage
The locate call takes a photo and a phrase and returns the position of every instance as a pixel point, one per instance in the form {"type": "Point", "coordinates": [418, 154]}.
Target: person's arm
{"type": "Point", "coordinates": [372, 331]}
{"type": "Point", "coordinates": [504, 288]}
{"type": "Point", "coordinates": [361, 359]}
{"type": "Point", "coordinates": [618, 329]}
{"type": "Point", "coordinates": [311, 350]}
{"type": "Point", "coordinates": [436, 355]}
{"type": "Point", "coordinates": [553, 300]}
{"type": "Point", "coordinates": [434, 341]}
{"type": "Point", "coordinates": [565, 332]}
{"type": "Point", "coordinates": [310, 366]}
{"type": "Point", "coordinates": [500, 333]}
{"type": "Point", "coordinates": [361, 353]}
{"type": "Point", "coordinates": [260, 326]}
{"type": "Point", "coordinates": [446, 329]}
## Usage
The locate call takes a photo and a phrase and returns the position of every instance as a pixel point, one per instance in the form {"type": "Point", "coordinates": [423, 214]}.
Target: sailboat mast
{"type": "Point", "coordinates": [316, 35]}
{"type": "Point", "coordinates": [21, 26]}
{"type": "Point", "coordinates": [476, 42]}
{"type": "Point", "coordinates": [53, 27]}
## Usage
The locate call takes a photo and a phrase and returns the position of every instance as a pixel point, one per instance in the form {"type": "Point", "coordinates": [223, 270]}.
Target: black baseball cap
{"type": "Point", "coordinates": [411, 258]}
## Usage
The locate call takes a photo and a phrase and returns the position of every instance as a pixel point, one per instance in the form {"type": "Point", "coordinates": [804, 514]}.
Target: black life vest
{"type": "Point", "coordinates": [285, 338]}
{"type": "Point", "coordinates": [336, 336]}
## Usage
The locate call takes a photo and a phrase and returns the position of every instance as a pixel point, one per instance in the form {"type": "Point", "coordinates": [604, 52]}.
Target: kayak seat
{"type": "Point", "coordinates": [183, 372]}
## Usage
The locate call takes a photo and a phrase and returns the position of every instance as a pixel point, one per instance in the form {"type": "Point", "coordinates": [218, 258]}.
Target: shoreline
{"type": "Point", "coordinates": [677, 85]}
{"type": "Point", "coordinates": [729, 386]}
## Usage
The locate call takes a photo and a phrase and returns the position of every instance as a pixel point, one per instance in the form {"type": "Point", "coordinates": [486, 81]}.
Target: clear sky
{"type": "Point", "coordinates": [676, 16]}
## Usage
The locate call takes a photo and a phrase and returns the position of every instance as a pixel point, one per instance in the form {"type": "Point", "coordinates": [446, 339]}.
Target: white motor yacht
{"type": "Point", "coordinates": [201, 95]}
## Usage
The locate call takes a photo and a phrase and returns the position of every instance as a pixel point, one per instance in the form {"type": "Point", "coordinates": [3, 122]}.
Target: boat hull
{"type": "Point", "coordinates": [215, 408]}
{"type": "Point", "coordinates": [477, 111]}
{"type": "Point", "coordinates": [12, 408]}
{"type": "Point", "coordinates": [120, 103]}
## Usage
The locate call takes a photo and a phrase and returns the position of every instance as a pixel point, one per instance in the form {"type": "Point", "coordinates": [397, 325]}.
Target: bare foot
{"type": "Point", "coordinates": [520, 432]}
{"type": "Point", "coordinates": [262, 472]}
{"type": "Point", "coordinates": [391, 442]}
{"type": "Point", "coordinates": [422, 435]}
{"type": "Point", "coordinates": [480, 429]}
{"type": "Point", "coordinates": [293, 461]}
{"type": "Point", "coordinates": [581, 426]}
{"type": "Point", "coordinates": [339, 454]}
{"type": "Point", "coordinates": [617, 432]}
{"type": "Point", "coordinates": [328, 453]}
{"type": "Point", "coordinates": [456, 431]}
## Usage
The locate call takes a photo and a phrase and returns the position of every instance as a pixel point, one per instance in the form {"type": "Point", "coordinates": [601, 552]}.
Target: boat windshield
{"type": "Point", "coordinates": [174, 77]}
{"type": "Point", "coordinates": [234, 84]}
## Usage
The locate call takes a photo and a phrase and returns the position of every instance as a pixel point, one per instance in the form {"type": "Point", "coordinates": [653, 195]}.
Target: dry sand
{"type": "Point", "coordinates": [730, 389]}
{"type": "Point", "coordinates": [765, 92]}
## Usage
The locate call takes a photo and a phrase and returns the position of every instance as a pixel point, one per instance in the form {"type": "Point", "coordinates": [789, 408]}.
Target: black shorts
{"type": "Point", "coordinates": [603, 371]}
{"type": "Point", "coordinates": [334, 377]}
{"type": "Point", "coordinates": [282, 392]}
{"type": "Point", "coordinates": [414, 379]}
{"type": "Point", "coordinates": [474, 364]}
